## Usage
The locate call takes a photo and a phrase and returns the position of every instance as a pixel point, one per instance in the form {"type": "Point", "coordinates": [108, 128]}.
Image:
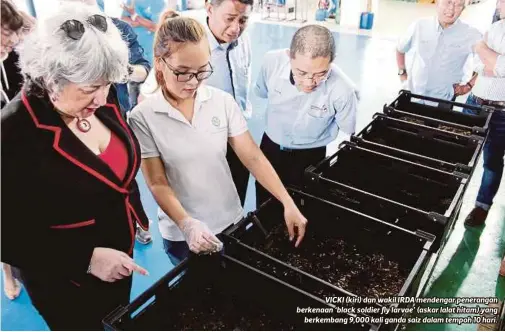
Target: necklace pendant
{"type": "Point", "coordinates": [83, 125]}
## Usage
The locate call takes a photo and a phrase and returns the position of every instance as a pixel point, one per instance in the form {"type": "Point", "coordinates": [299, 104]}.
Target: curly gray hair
{"type": "Point", "coordinates": [52, 59]}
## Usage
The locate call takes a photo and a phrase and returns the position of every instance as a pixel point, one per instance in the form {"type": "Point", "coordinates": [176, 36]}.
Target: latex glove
{"type": "Point", "coordinates": [199, 237]}
{"type": "Point", "coordinates": [111, 265]}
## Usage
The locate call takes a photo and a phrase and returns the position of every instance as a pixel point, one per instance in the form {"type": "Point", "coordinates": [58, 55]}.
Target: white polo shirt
{"type": "Point", "coordinates": [299, 120]}
{"type": "Point", "coordinates": [194, 155]}
{"type": "Point", "coordinates": [493, 87]}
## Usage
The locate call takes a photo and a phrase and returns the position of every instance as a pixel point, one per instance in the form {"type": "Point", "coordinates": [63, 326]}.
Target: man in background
{"type": "Point", "coordinates": [440, 47]}
{"type": "Point", "coordinates": [489, 90]}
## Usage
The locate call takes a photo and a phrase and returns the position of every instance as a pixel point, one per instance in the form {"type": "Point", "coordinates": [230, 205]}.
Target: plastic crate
{"type": "Point", "coordinates": [338, 255]}
{"type": "Point", "coordinates": [421, 144]}
{"type": "Point", "coordinates": [440, 114]}
{"type": "Point", "coordinates": [214, 293]}
{"type": "Point", "coordinates": [402, 193]}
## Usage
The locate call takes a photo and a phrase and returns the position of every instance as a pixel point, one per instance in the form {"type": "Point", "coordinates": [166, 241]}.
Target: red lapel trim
{"type": "Point", "coordinates": [76, 225]}
{"type": "Point", "coordinates": [144, 227]}
{"type": "Point", "coordinates": [131, 225]}
{"type": "Point", "coordinates": [57, 135]}
{"type": "Point", "coordinates": [56, 143]}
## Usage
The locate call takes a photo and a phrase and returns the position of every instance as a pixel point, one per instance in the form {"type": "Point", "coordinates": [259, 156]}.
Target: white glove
{"type": "Point", "coordinates": [199, 237]}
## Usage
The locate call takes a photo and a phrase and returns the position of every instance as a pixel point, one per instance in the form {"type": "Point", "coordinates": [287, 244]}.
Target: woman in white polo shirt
{"type": "Point", "coordinates": [184, 130]}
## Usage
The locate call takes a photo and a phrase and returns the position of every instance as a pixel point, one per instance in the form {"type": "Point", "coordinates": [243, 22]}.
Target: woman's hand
{"type": "Point", "coordinates": [295, 221]}
{"type": "Point", "coordinates": [111, 265]}
{"type": "Point", "coordinates": [199, 237]}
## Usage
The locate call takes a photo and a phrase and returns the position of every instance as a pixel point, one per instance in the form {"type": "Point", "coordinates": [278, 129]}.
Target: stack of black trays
{"type": "Point", "coordinates": [408, 167]}
{"type": "Point", "coordinates": [262, 281]}
{"type": "Point", "coordinates": [377, 210]}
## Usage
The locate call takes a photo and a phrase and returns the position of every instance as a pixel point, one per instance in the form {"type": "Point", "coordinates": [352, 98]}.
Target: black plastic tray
{"type": "Point", "coordinates": [219, 292]}
{"type": "Point", "coordinates": [421, 110]}
{"type": "Point", "coordinates": [368, 241]}
{"type": "Point", "coordinates": [420, 144]}
{"type": "Point", "coordinates": [402, 193]}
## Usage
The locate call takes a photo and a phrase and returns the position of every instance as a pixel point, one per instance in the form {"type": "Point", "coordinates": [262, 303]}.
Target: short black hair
{"type": "Point", "coordinates": [11, 18]}
{"type": "Point", "coordinates": [218, 3]}
{"type": "Point", "coordinates": [315, 40]}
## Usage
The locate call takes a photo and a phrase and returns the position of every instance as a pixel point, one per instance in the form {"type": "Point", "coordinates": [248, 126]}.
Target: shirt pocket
{"type": "Point", "coordinates": [318, 111]}
{"type": "Point", "coordinates": [426, 50]}
{"type": "Point", "coordinates": [74, 231]}
{"type": "Point", "coordinates": [312, 126]}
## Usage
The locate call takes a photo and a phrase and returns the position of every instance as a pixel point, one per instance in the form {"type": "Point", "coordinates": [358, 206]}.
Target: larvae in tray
{"type": "Point", "coordinates": [412, 119]}
{"type": "Point", "coordinates": [455, 130]}
{"type": "Point", "coordinates": [338, 262]}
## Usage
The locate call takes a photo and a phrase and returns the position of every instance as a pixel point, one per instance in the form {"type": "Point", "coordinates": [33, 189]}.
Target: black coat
{"type": "Point", "coordinates": [59, 202]}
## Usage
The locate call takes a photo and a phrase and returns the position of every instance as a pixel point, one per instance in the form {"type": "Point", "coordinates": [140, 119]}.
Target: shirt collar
{"type": "Point", "coordinates": [286, 73]}
{"type": "Point", "coordinates": [213, 43]}
{"type": "Point", "coordinates": [203, 94]}
{"type": "Point", "coordinates": [439, 28]}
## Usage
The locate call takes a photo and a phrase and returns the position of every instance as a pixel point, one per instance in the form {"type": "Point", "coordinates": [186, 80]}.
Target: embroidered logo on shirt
{"type": "Point", "coordinates": [318, 112]}
{"type": "Point", "coordinates": [323, 109]}
{"type": "Point", "coordinates": [215, 121]}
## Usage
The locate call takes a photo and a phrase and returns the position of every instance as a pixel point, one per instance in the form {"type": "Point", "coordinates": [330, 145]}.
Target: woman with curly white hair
{"type": "Point", "coordinates": [69, 163]}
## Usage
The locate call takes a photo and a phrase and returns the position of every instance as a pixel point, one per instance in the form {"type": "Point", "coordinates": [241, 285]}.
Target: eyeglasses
{"type": "Point", "coordinates": [186, 77]}
{"type": "Point", "coordinates": [75, 29]}
{"type": "Point", "coordinates": [316, 77]}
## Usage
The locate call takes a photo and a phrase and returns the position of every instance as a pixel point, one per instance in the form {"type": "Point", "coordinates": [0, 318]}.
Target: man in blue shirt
{"type": "Point", "coordinates": [310, 100]}
{"type": "Point", "coordinates": [440, 46]}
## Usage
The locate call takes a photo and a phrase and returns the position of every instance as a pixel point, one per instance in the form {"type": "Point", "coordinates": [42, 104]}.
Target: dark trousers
{"type": "Point", "coordinates": [176, 251]}
{"type": "Point", "coordinates": [239, 173]}
{"type": "Point", "coordinates": [69, 307]}
{"type": "Point", "coordinates": [494, 151]}
{"type": "Point", "coordinates": [290, 165]}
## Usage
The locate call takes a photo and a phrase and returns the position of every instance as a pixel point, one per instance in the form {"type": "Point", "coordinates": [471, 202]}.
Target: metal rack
{"type": "Point", "coordinates": [284, 10]}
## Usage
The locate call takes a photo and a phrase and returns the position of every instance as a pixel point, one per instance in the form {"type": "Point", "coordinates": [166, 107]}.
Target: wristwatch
{"type": "Point", "coordinates": [134, 17]}
{"type": "Point", "coordinates": [402, 72]}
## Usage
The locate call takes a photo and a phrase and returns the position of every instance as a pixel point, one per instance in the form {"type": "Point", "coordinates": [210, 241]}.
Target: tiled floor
{"type": "Point", "coordinates": [468, 266]}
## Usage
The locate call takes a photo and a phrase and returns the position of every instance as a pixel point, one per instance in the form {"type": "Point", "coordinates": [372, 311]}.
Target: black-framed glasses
{"type": "Point", "coordinates": [75, 29]}
{"type": "Point", "coordinates": [186, 77]}
{"type": "Point", "coordinates": [319, 77]}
